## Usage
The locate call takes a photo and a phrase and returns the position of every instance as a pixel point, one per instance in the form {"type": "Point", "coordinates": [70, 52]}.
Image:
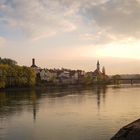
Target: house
{"type": "Point", "coordinates": [64, 76]}
{"type": "Point", "coordinates": [43, 75]}
{"type": "Point", "coordinates": [74, 76]}
{"type": "Point", "coordinates": [48, 75]}
{"type": "Point", "coordinates": [67, 76]}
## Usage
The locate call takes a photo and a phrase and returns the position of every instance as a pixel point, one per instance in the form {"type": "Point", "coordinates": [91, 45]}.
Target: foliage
{"type": "Point", "coordinates": [115, 79]}
{"type": "Point", "coordinates": [7, 61]}
{"type": "Point", "coordinates": [16, 76]}
{"type": "Point", "coordinates": [88, 80]}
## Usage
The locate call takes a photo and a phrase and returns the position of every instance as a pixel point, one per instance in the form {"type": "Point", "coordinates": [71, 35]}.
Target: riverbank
{"type": "Point", "coordinates": [68, 86]}
{"type": "Point", "coordinates": [53, 87]}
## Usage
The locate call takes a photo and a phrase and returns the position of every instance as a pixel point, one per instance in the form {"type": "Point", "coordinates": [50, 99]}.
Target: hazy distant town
{"type": "Point", "coordinates": [12, 75]}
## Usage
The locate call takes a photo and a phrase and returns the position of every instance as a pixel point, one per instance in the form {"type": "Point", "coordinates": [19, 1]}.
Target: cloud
{"type": "Point", "coordinates": [35, 17]}
{"type": "Point", "coordinates": [43, 35]}
{"type": "Point", "coordinates": [101, 37]}
{"type": "Point", "coordinates": [118, 17]}
{"type": "Point", "coordinates": [2, 41]}
{"type": "Point", "coordinates": [104, 20]}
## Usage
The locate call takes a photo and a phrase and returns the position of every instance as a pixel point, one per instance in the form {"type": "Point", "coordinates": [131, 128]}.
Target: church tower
{"type": "Point", "coordinates": [33, 63]}
{"type": "Point", "coordinates": [103, 70]}
{"type": "Point", "coordinates": [98, 65]}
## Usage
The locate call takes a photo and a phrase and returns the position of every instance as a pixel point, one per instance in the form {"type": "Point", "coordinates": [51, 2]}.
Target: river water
{"type": "Point", "coordinates": [95, 113]}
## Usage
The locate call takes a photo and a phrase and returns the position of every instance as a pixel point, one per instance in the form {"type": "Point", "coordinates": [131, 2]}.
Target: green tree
{"type": "Point", "coordinates": [116, 78]}
{"type": "Point", "coordinates": [13, 75]}
{"type": "Point", "coordinates": [7, 61]}
{"type": "Point", "coordinates": [30, 75]}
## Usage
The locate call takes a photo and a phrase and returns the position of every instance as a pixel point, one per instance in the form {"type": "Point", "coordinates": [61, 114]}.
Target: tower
{"type": "Point", "coordinates": [33, 63]}
{"type": "Point", "coordinates": [103, 70]}
{"type": "Point", "coordinates": [98, 65]}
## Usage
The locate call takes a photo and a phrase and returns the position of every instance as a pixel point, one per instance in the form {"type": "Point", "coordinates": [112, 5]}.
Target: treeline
{"type": "Point", "coordinates": [7, 61]}
{"type": "Point", "coordinates": [12, 75]}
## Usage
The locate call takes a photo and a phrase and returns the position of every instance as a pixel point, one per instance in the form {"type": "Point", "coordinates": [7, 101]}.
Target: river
{"type": "Point", "coordinates": [94, 113]}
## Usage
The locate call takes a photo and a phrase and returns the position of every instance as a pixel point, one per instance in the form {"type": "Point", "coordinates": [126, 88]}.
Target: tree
{"type": "Point", "coordinates": [30, 75]}
{"type": "Point", "coordinates": [7, 61]}
{"type": "Point", "coordinates": [116, 79]}
{"type": "Point", "coordinates": [15, 75]}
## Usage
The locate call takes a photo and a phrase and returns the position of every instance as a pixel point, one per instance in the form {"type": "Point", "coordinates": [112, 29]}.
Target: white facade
{"type": "Point", "coordinates": [47, 75]}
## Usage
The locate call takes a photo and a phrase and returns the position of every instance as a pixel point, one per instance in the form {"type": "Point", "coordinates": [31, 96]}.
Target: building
{"type": "Point", "coordinates": [33, 63]}
{"type": "Point", "coordinates": [98, 74]}
{"type": "Point", "coordinates": [36, 68]}
{"type": "Point", "coordinates": [48, 75]}
{"type": "Point", "coordinates": [67, 76]}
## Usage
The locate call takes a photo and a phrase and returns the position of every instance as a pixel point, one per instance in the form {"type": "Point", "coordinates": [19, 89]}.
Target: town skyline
{"type": "Point", "coordinates": [102, 65]}
{"type": "Point", "coordinates": [111, 69]}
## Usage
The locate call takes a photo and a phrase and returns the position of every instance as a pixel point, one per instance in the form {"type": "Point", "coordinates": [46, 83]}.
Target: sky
{"type": "Point", "coordinates": [72, 33]}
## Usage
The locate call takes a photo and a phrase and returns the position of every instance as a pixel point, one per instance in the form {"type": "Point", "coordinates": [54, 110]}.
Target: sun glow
{"type": "Point", "coordinates": [121, 51]}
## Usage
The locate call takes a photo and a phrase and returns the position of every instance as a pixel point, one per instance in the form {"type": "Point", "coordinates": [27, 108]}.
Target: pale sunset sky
{"type": "Point", "coordinates": [72, 33]}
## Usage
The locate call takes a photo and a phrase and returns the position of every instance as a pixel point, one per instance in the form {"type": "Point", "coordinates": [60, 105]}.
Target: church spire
{"type": "Point", "coordinates": [98, 65]}
{"type": "Point", "coordinates": [103, 70]}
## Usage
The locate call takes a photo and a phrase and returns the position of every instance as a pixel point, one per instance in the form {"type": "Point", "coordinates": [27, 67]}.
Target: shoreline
{"type": "Point", "coordinates": [52, 87]}
{"type": "Point", "coordinates": [69, 86]}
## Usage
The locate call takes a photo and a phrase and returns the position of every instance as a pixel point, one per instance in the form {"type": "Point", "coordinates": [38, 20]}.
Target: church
{"type": "Point", "coordinates": [99, 75]}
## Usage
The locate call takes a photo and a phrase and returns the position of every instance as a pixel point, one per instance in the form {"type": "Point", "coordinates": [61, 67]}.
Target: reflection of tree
{"type": "Point", "coordinates": [2, 100]}
{"type": "Point", "coordinates": [12, 102]}
{"type": "Point", "coordinates": [16, 102]}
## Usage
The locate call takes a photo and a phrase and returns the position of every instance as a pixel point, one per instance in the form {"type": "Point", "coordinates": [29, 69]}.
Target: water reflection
{"type": "Point", "coordinates": [72, 113]}
{"type": "Point", "coordinates": [100, 92]}
{"type": "Point", "coordinates": [12, 102]}
{"type": "Point", "coordinates": [34, 104]}
{"type": "Point", "coordinates": [16, 101]}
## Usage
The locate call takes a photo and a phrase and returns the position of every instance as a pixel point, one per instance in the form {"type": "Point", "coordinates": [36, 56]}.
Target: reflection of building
{"type": "Point", "coordinates": [34, 104]}
{"type": "Point", "coordinates": [101, 95]}
{"type": "Point", "coordinates": [99, 75]}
